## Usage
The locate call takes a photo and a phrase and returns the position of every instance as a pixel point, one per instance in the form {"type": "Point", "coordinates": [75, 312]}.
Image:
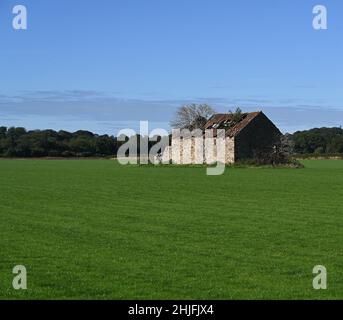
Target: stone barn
{"type": "Point", "coordinates": [251, 136]}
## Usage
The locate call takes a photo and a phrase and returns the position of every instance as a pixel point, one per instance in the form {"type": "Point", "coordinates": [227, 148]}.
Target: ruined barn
{"type": "Point", "coordinates": [248, 136]}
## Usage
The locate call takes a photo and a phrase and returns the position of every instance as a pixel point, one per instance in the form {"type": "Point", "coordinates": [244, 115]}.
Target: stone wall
{"type": "Point", "coordinates": [167, 155]}
{"type": "Point", "coordinates": [195, 151]}
{"type": "Point", "coordinates": [230, 150]}
{"type": "Point", "coordinates": [256, 140]}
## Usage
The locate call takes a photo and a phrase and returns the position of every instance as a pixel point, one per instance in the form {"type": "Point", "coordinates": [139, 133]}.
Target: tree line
{"type": "Point", "coordinates": [318, 141]}
{"type": "Point", "coordinates": [19, 142]}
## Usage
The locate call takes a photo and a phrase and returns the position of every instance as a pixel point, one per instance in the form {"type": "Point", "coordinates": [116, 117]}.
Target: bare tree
{"type": "Point", "coordinates": [192, 116]}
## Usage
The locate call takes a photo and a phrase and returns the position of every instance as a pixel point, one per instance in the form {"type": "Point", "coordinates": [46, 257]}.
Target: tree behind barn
{"type": "Point", "coordinates": [192, 116]}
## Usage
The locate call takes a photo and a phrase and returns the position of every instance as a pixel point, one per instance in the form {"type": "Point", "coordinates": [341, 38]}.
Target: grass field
{"type": "Point", "coordinates": [94, 229]}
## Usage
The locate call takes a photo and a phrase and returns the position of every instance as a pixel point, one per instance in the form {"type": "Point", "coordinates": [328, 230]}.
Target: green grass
{"type": "Point", "coordinates": [94, 229]}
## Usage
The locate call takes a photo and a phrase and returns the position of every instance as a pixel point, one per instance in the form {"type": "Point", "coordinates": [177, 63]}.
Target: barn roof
{"type": "Point", "coordinates": [218, 121]}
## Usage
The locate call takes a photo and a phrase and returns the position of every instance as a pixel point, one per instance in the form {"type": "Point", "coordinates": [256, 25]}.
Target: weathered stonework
{"type": "Point", "coordinates": [195, 151]}
{"type": "Point", "coordinates": [167, 155]}
{"type": "Point", "coordinates": [230, 150]}
{"type": "Point", "coordinates": [253, 137]}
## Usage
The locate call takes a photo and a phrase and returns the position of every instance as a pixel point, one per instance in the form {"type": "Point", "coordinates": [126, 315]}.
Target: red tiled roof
{"type": "Point", "coordinates": [221, 119]}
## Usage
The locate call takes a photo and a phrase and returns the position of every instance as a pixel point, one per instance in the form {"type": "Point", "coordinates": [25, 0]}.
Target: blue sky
{"type": "Point", "coordinates": [106, 64]}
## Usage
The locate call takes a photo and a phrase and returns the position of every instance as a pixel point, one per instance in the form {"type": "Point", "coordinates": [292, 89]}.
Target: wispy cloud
{"type": "Point", "coordinates": [53, 96]}
{"type": "Point", "coordinates": [110, 109]}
